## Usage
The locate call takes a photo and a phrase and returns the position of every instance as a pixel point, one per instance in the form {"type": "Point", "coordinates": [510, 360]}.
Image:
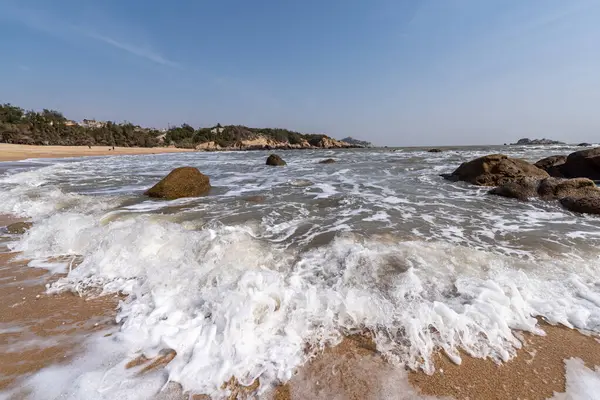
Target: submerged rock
{"type": "Point", "coordinates": [255, 199]}
{"type": "Point", "coordinates": [181, 182]}
{"type": "Point", "coordinates": [586, 205]}
{"type": "Point", "coordinates": [495, 170]}
{"type": "Point", "coordinates": [552, 165]}
{"type": "Point", "coordinates": [583, 164]}
{"type": "Point", "coordinates": [435, 150]}
{"type": "Point", "coordinates": [275, 160]}
{"type": "Point", "coordinates": [327, 161]}
{"type": "Point", "coordinates": [584, 144]}
{"type": "Point", "coordinates": [19, 228]}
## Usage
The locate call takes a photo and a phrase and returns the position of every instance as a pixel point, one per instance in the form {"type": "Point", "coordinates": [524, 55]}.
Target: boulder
{"type": "Point", "coordinates": [522, 189]}
{"type": "Point", "coordinates": [547, 189]}
{"type": "Point", "coordinates": [275, 160]}
{"type": "Point", "coordinates": [586, 205]}
{"type": "Point", "coordinates": [556, 188]}
{"type": "Point", "coordinates": [552, 165]}
{"type": "Point", "coordinates": [327, 161]}
{"type": "Point", "coordinates": [181, 182]}
{"type": "Point", "coordinates": [435, 150]}
{"type": "Point", "coordinates": [584, 144]}
{"type": "Point", "coordinates": [19, 228]}
{"type": "Point", "coordinates": [583, 164]}
{"type": "Point", "coordinates": [495, 170]}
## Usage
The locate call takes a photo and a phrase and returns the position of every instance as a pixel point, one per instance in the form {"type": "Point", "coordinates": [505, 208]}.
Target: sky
{"type": "Point", "coordinates": [396, 73]}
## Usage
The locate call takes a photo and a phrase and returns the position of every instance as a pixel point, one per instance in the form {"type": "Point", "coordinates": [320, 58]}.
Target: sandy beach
{"type": "Point", "coordinates": [15, 152]}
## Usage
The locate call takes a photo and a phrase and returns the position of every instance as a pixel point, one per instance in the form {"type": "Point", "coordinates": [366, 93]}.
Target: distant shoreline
{"type": "Point", "coordinates": [17, 152]}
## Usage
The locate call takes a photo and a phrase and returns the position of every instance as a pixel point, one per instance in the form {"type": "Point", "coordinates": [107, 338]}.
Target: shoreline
{"type": "Point", "coordinates": [18, 152]}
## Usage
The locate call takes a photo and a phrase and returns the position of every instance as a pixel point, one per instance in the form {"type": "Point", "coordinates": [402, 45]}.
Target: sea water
{"type": "Point", "coordinates": [275, 263]}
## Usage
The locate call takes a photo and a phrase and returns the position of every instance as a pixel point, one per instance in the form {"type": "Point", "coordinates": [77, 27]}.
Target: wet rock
{"type": "Point", "coordinates": [327, 161]}
{"type": "Point", "coordinates": [275, 160]}
{"type": "Point", "coordinates": [585, 205]}
{"type": "Point", "coordinates": [19, 228]}
{"type": "Point", "coordinates": [556, 188]}
{"type": "Point", "coordinates": [547, 189]}
{"type": "Point", "coordinates": [435, 150]}
{"type": "Point", "coordinates": [583, 164]}
{"type": "Point", "coordinates": [181, 182]}
{"type": "Point", "coordinates": [495, 170]}
{"type": "Point", "coordinates": [552, 165]}
{"type": "Point", "coordinates": [584, 144]}
{"type": "Point", "coordinates": [522, 189]}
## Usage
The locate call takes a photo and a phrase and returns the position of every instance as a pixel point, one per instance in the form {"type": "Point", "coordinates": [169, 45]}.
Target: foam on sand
{"type": "Point", "coordinates": [583, 383]}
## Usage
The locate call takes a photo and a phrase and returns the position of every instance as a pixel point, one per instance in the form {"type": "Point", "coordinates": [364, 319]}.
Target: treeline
{"type": "Point", "coordinates": [49, 127]}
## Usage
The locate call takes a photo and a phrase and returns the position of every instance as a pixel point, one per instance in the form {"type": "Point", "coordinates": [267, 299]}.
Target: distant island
{"type": "Point", "coordinates": [527, 141]}
{"type": "Point", "coordinates": [360, 143]}
{"type": "Point", "coordinates": [49, 127]}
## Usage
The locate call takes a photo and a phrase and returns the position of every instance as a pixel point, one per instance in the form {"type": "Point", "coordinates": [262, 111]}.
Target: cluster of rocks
{"type": "Point", "coordinates": [568, 179]}
{"type": "Point", "coordinates": [528, 142]}
{"type": "Point", "coordinates": [583, 163]}
{"type": "Point", "coordinates": [190, 182]}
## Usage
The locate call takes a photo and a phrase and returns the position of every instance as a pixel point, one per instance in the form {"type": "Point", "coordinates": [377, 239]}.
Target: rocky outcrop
{"type": "Point", "coordinates": [275, 160]}
{"type": "Point", "coordinates": [527, 141]}
{"type": "Point", "coordinates": [495, 170]}
{"type": "Point", "coordinates": [583, 164]}
{"type": "Point", "coordinates": [584, 144]}
{"type": "Point", "coordinates": [265, 143]}
{"type": "Point", "coordinates": [356, 142]}
{"type": "Point", "coordinates": [327, 161]}
{"type": "Point", "coordinates": [585, 205]}
{"type": "Point", "coordinates": [435, 150]}
{"type": "Point", "coordinates": [208, 146]}
{"type": "Point", "coordinates": [329, 143]}
{"type": "Point", "coordinates": [181, 182]}
{"type": "Point", "coordinates": [18, 228]}
{"type": "Point", "coordinates": [552, 165]}
{"type": "Point", "coordinates": [547, 189]}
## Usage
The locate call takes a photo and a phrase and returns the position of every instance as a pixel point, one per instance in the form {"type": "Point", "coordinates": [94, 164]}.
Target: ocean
{"type": "Point", "coordinates": [276, 263]}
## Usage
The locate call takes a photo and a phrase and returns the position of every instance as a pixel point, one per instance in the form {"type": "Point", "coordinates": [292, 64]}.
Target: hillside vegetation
{"type": "Point", "coordinates": [49, 127]}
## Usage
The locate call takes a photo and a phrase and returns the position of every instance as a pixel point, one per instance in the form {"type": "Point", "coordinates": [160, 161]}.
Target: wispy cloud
{"type": "Point", "coordinates": [135, 50]}
{"type": "Point", "coordinates": [49, 23]}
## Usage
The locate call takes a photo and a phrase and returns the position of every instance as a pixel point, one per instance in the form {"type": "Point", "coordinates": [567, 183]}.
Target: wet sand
{"type": "Point", "coordinates": [15, 152]}
{"type": "Point", "coordinates": [37, 329]}
{"type": "Point", "coordinates": [354, 370]}
{"type": "Point", "coordinates": [536, 373]}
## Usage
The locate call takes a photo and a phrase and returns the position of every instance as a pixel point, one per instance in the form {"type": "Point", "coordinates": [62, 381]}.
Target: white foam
{"type": "Point", "coordinates": [232, 306]}
{"type": "Point", "coordinates": [582, 382]}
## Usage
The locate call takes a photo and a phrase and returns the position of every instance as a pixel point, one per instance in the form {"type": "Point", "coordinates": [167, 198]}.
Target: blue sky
{"type": "Point", "coordinates": [415, 72]}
